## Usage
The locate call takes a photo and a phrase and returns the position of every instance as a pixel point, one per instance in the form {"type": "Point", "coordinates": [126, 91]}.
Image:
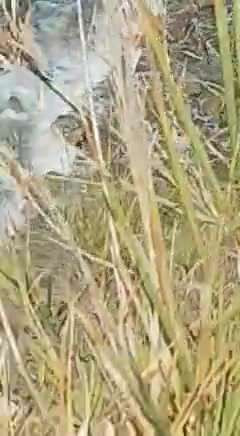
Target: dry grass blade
{"type": "Point", "coordinates": [235, 156]}
{"type": "Point", "coordinates": [188, 407]}
{"type": "Point", "coordinates": [154, 32]}
{"type": "Point", "coordinates": [137, 331]}
{"type": "Point", "coordinates": [130, 114]}
{"type": "Point", "coordinates": [176, 166]}
{"type": "Point", "coordinates": [227, 67]}
{"type": "Point", "coordinates": [127, 382]}
{"type": "Point", "coordinates": [36, 395]}
{"type": "Point", "coordinates": [236, 19]}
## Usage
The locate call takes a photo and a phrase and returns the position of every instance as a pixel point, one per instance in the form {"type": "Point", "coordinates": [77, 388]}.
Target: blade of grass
{"type": "Point", "coordinates": [121, 373]}
{"type": "Point", "coordinates": [35, 395]}
{"type": "Point", "coordinates": [227, 68]}
{"type": "Point", "coordinates": [178, 172]}
{"type": "Point", "coordinates": [236, 21]}
{"type": "Point", "coordinates": [213, 377]}
{"type": "Point", "coordinates": [154, 32]}
{"type": "Point", "coordinates": [162, 301]}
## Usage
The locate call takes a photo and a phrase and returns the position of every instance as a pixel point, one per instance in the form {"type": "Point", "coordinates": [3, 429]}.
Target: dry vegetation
{"type": "Point", "coordinates": [120, 311]}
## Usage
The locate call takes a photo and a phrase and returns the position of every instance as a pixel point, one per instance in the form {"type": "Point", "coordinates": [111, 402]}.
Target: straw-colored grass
{"type": "Point", "coordinates": [141, 335]}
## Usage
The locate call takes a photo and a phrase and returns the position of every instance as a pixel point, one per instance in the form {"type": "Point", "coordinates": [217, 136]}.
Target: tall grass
{"type": "Point", "coordinates": [142, 333]}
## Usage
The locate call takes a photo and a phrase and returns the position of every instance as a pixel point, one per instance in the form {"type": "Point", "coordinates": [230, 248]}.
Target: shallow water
{"type": "Point", "coordinates": [28, 109]}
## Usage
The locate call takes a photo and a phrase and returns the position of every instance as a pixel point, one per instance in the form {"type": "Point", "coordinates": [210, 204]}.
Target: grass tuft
{"type": "Point", "coordinates": [120, 309]}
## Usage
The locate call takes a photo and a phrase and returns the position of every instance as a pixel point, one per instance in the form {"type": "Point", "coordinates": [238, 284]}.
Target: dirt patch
{"type": "Point", "coordinates": [196, 63]}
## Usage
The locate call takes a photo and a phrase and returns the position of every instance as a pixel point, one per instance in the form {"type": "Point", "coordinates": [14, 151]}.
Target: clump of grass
{"type": "Point", "coordinates": [144, 337]}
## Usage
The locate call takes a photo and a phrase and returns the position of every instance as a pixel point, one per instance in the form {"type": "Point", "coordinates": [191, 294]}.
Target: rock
{"type": "Point", "coordinates": [12, 206]}
{"type": "Point", "coordinates": [46, 152]}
